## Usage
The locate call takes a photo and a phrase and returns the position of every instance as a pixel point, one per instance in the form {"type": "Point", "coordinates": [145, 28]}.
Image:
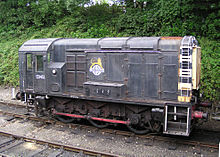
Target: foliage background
{"type": "Point", "coordinates": [22, 20]}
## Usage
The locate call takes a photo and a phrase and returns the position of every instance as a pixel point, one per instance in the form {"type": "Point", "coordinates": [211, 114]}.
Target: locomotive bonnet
{"type": "Point", "coordinates": [146, 83]}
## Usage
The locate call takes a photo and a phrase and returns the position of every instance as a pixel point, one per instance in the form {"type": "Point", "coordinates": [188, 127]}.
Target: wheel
{"type": "Point", "coordinates": [156, 125]}
{"type": "Point", "coordinates": [18, 96]}
{"type": "Point", "coordinates": [65, 119]}
{"type": "Point", "coordinates": [138, 129]}
{"type": "Point", "coordinates": [98, 124]}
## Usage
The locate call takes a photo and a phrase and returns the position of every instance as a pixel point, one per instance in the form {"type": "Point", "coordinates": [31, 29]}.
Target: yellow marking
{"type": "Point", "coordinates": [96, 68]}
{"type": "Point", "coordinates": [99, 62]}
{"type": "Point", "coordinates": [184, 98]}
{"type": "Point", "coordinates": [196, 67]}
{"type": "Point", "coordinates": [184, 86]}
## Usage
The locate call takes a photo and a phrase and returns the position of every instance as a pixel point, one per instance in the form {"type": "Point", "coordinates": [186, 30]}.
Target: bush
{"type": "Point", "coordinates": [9, 63]}
{"type": "Point", "coordinates": [210, 80]}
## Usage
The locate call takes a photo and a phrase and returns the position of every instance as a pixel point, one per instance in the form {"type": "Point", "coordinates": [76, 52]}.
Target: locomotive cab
{"type": "Point", "coordinates": [34, 58]}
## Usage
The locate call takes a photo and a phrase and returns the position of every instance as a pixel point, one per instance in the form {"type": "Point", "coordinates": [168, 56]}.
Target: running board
{"type": "Point", "coordinates": [177, 120]}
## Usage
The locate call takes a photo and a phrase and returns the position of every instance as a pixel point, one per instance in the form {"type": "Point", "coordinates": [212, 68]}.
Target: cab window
{"type": "Point", "coordinates": [48, 57]}
{"type": "Point", "coordinates": [39, 63]}
{"type": "Point", "coordinates": [29, 62]}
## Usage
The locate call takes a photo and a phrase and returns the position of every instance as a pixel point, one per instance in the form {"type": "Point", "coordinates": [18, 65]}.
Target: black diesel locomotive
{"type": "Point", "coordinates": [146, 83]}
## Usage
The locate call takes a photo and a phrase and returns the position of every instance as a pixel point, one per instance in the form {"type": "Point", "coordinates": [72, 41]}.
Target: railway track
{"type": "Point", "coordinates": [15, 145]}
{"type": "Point", "coordinates": [152, 137]}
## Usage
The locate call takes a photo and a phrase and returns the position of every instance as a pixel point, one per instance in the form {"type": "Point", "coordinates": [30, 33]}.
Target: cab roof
{"type": "Point", "coordinates": [149, 43]}
{"type": "Point", "coordinates": [37, 45]}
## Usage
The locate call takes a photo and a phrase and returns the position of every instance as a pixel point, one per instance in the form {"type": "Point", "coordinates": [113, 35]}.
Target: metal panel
{"type": "Point", "coordinates": [58, 54]}
{"type": "Point", "coordinates": [115, 67]}
{"type": "Point", "coordinates": [76, 69]}
{"type": "Point", "coordinates": [70, 62]}
{"type": "Point", "coordinates": [151, 85]}
{"type": "Point", "coordinates": [71, 66]}
{"type": "Point", "coordinates": [80, 78]}
{"type": "Point", "coordinates": [71, 46]}
{"type": "Point", "coordinates": [70, 58]}
{"type": "Point", "coordinates": [151, 80]}
{"type": "Point", "coordinates": [37, 45]}
{"type": "Point", "coordinates": [143, 42]}
{"type": "Point", "coordinates": [56, 81]}
{"type": "Point", "coordinates": [81, 62]}
{"type": "Point", "coordinates": [29, 80]}
{"type": "Point", "coordinates": [81, 58]}
{"type": "Point", "coordinates": [135, 58]}
{"type": "Point", "coordinates": [135, 81]}
{"type": "Point", "coordinates": [77, 43]}
{"type": "Point", "coordinates": [107, 90]}
{"type": "Point", "coordinates": [169, 45]}
{"type": "Point", "coordinates": [71, 78]}
{"type": "Point", "coordinates": [81, 66]}
{"type": "Point", "coordinates": [170, 77]}
{"type": "Point", "coordinates": [112, 43]}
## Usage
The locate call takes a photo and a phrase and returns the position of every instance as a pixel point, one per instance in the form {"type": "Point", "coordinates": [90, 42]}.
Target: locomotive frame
{"type": "Point", "coordinates": [146, 83]}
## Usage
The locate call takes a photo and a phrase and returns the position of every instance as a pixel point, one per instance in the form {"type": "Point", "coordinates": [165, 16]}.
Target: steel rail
{"type": "Point", "coordinates": [60, 146]}
{"type": "Point", "coordinates": [12, 104]}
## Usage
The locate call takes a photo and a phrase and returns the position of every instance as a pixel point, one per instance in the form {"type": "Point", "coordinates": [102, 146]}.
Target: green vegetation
{"type": "Point", "coordinates": [210, 77]}
{"type": "Point", "coordinates": [22, 20]}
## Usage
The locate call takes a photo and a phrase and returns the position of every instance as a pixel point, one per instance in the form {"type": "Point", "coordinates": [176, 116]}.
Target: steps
{"type": "Point", "coordinates": [177, 120]}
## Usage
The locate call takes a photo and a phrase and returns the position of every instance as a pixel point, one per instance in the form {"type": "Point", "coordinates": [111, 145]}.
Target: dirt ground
{"type": "Point", "coordinates": [88, 139]}
{"type": "Point", "coordinates": [6, 94]}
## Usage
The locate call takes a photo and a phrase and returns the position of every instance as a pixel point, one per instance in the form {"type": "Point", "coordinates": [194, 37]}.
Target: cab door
{"type": "Point", "coordinates": [39, 73]}
{"type": "Point", "coordinates": [28, 82]}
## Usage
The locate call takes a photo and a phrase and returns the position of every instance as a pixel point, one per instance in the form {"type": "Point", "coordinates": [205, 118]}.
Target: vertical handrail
{"type": "Point", "coordinates": [165, 125]}
{"type": "Point", "coordinates": [187, 122]}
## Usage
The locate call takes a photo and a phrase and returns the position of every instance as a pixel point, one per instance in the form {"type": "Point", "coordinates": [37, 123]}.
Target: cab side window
{"type": "Point", "coordinates": [48, 57]}
{"type": "Point", "coordinates": [29, 62]}
{"type": "Point", "coordinates": [39, 63]}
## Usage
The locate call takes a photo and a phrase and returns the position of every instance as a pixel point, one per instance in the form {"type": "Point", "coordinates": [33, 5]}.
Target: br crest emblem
{"type": "Point", "coordinates": [96, 68]}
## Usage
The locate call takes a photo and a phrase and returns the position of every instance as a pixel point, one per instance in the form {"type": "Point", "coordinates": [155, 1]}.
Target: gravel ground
{"type": "Point", "coordinates": [119, 145]}
{"type": "Point", "coordinates": [6, 95]}
{"type": "Point", "coordinates": [90, 139]}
